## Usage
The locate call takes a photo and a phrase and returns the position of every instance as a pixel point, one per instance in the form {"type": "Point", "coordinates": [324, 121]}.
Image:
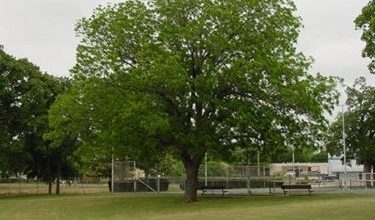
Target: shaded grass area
{"type": "Point", "coordinates": [34, 188]}
{"type": "Point", "coordinates": [150, 206]}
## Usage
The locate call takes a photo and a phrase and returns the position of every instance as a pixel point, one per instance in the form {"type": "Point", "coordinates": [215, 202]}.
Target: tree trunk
{"type": "Point", "coordinates": [58, 185]}
{"type": "Point", "coordinates": [49, 186]}
{"type": "Point", "coordinates": [191, 168]}
{"type": "Point", "coordinates": [58, 179]}
{"type": "Point", "coordinates": [49, 178]}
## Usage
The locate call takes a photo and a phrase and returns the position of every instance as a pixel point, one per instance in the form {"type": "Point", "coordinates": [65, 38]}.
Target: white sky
{"type": "Point", "coordinates": [42, 31]}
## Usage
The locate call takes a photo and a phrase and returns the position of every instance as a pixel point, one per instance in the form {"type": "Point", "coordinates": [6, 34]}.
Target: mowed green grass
{"type": "Point", "coordinates": [149, 206]}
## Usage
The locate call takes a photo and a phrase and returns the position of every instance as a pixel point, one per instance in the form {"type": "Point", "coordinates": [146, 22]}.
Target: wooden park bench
{"type": "Point", "coordinates": [220, 189]}
{"type": "Point", "coordinates": [288, 188]}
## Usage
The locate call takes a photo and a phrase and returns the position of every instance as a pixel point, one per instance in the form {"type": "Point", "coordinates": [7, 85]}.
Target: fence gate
{"type": "Point", "coordinates": [127, 178]}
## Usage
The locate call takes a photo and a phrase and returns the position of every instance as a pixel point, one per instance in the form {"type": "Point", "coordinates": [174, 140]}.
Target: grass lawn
{"type": "Point", "coordinates": [150, 206]}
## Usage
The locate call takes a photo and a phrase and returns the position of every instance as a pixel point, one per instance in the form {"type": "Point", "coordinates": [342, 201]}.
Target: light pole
{"type": "Point", "coordinates": [344, 145]}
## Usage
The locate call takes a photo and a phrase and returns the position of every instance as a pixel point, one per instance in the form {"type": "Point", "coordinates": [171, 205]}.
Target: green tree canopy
{"type": "Point", "coordinates": [25, 96]}
{"type": "Point", "coordinates": [366, 22]}
{"type": "Point", "coordinates": [189, 77]}
{"type": "Point", "coordinates": [359, 125]}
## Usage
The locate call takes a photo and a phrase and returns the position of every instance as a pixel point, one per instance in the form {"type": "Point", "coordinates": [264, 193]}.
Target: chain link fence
{"type": "Point", "coordinates": [33, 187]}
{"type": "Point", "coordinates": [239, 179]}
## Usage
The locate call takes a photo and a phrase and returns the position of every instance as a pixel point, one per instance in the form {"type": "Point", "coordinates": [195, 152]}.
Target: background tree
{"type": "Point", "coordinates": [45, 162]}
{"type": "Point", "coordinates": [189, 77]}
{"type": "Point", "coordinates": [359, 125]}
{"type": "Point", "coordinates": [300, 155]}
{"type": "Point", "coordinates": [26, 95]}
{"type": "Point", "coordinates": [93, 112]}
{"type": "Point", "coordinates": [366, 22]}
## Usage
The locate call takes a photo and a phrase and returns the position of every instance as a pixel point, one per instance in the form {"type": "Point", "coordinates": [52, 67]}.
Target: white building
{"type": "Point", "coordinates": [334, 167]}
{"type": "Point", "coordinates": [321, 168]}
{"type": "Point", "coordinates": [337, 168]}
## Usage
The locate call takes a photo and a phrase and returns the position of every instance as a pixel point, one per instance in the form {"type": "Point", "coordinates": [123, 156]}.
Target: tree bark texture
{"type": "Point", "coordinates": [191, 168]}
{"type": "Point", "coordinates": [49, 178]}
{"type": "Point", "coordinates": [58, 178]}
{"type": "Point", "coordinates": [49, 186]}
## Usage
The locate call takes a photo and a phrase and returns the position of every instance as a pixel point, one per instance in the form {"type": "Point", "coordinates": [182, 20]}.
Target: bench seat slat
{"type": "Point", "coordinates": [213, 188]}
{"type": "Point", "coordinates": [287, 188]}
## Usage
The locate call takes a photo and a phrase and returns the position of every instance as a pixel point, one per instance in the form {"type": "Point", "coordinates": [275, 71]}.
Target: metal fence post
{"type": "Point", "coordinates": [205, 169]}
{"type": "Point", "coordinates": [158, 183]}
{"type": "Point", "coordinates": [112, 173]}
{"type": "Point", "coordinates": [264, 176]}
{"type": "Point", "coordinates": [248, 179]}
{"type": "Point", "coordinates": [274, 184]}
{"type": "Point", "coordinates": [135, 176]}
{"type": "Point", "coordinates": [227, 177]}
{"type": "Point", "coordinates": [372, 176]}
